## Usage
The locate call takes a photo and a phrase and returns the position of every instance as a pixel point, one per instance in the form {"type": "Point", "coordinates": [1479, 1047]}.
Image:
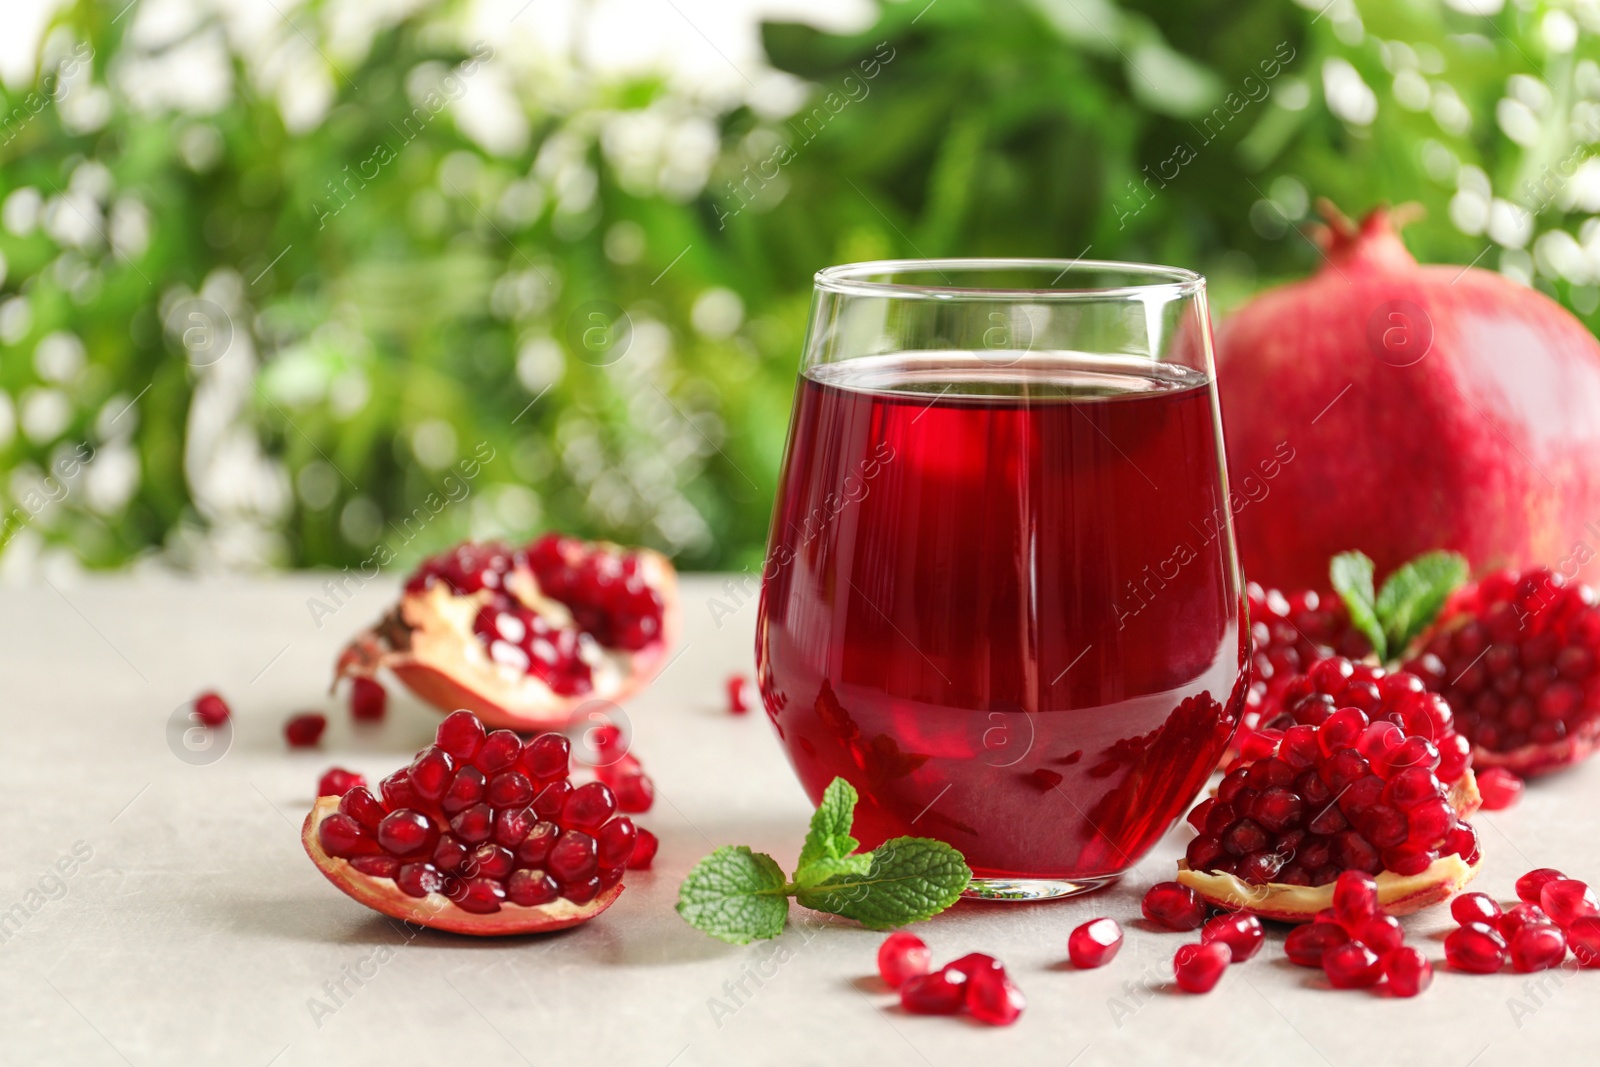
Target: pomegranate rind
{"type": "Point", "coordinates": [427, 643]}
{"type": "Point", "coordinates": [1397, 894]}
{"type": "Point", "coordinates": [435, 911]}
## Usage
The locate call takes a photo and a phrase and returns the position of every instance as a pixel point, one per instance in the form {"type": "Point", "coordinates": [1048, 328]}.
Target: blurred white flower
{"type": "Point", "coordinates": [59, 356]}
{"type": "Point", "coordinates": [1510, 225]}
{"type": "Point", "coordinates": [45, 414]}
{"type": "Point", "coordinates": [433, 441]}
{"type": "Point", "coordinates": [717, 313]}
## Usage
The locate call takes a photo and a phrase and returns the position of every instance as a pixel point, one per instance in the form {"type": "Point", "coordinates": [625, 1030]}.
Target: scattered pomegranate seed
{"type": "Point", "coordinates": [1408, 971]}
{"type": "Point", "coordinates": [1566, 899]}
{"type": "Point", "coordinates": [1199, 967]}
{"type": "Point", "coordinates": [738, 694]}
{"type": "Point", "coordinates": [1381, 933]}
{"type": "Point", "coordinates": [1475, 908]}
{"type": "Point", "coordinates": [305, 729]}
{"type": "Point", "coordinates": [1584, 938]}
{"type": "Point", "coordinates": [1240, 931]}
{"type": "Point", "coordinates": [1352, 965]}
{"type": "Point", "coordinates": [338, 781]}
{"type": "Point", "coordinates": [1095, 943]}
{"type": "Point", "coordinates": [1307, 944]}
{"type": "Point", "coordinates": [902, 956]}
{"type": "Point", "coordinates": [368, 699]}
{"type": "Point", "coordinates": [1529, 885]}
{"type": "Point", "coordinates": [1499, 787]}
{"type": "Point", "coordinates": [1174, 906]}
{"type": "Point", "coordinates": [636, 793]}
{"type": "Point", "coordinates": [936, 993]}
{"type": "Point", "coordinates": [1476, 948]}
{"type": "Point", "coordinates": [993, 998]}
{"type": "Point", "coordinates": [1520, 915]}
{"type": "Point", "coordinates": [211, 709]}
{"type": "Point", "coordinates": [1355, 899]}
{"type": "Point", "coordinates": [644, 850]}
{"type": "Point", "coordinates": [1537, 947]}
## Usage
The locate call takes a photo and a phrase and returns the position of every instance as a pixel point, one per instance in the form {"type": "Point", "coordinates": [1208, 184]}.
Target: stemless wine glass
{"type": "Point", "coordinates": [1001, 595]}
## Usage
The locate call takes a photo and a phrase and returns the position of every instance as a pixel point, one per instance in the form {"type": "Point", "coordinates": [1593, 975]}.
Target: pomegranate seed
{"type": "Point", "coordinates": [491, 861]}
{"type": "Point", "coordinates": [1584, 937]}
{"type": "Point", "coordinates": [211, 709]}
{"type": "Point", "coordinates": [588, 806]}
{"type": "Point", "coordinates": [1537, 947]}
{"type": "Point", "coordinates": [574, 858]}
{"type": "Point", "coordinates": [974, 963]}
{"type": "Point", "coordinates": [474, 825]}
{"type": "Point", "coordinates": [481, 896]}
{"type": "Point", "coordinates": [738, 701]}
{"type": "Point", "coordinates": [1408, 971]}
{"type": "Point", "coordinates": [581, 892]}
{"type": "Point", "coordinates": [337, 781]}
{"type": "Point", "coordinates": [342, 836]}
{"type": "Point", "coordinates": [1241, 932]}
{"type": "Point", "coordinates": [1174, 906]}
{"type": "Point", "coordinates": [547, 756]}
{"type": "Point", "coordinates": [1306, 944]}
{"type": "Point", "coordinates": [1566, 899]}
{"type": "Point", "coordinates": [1499, 787]}
{"type": "Point", "coordinates": [509, 789]}
{"type": "Point", "coordinates": [552, 798]}
{"type": "Point", "coordinates": [407, 832]}
{"type": "Point", "coordinates": [1355, 898]}
{"type": "Point", "coordinates": [419, 879]}
{"type": "Point", "coordinates": [466, 789]}
{"type": "Point", "coordinates": [1476, 948]}
{"type": "Point", "coordinates": [512, 826]}
{"type": "Point", "coordinates": [1199, 967]}
{"type": "Point", "coordinates": [1351, 965]}
{"type": "Point", "coordinates": [993, 998]}
{"type": "Point", "coordinates": [933, 994]}
{"type": "Point", "coordinates": [305, 729]}
{"type": "Point", "coordinates": [1520, 915]}
{"type": "Point", "coordinates": [1381, 933]}
{"type": "Point", "coordinates": [498, 752]}
{"type": "Point", "coordinates": [363, 807]}
{"type": "Point", "coordinates": [636, 793]}
{"type": "Point", "coordinates": [368, 700]}
{"type": "Point", "coordinates": [1530, 884]}
{"type": "Point", "coordinates": [902, 956]}
{"type": "Point", "coordinates": [644, 850]}
{"type": "Point", "coordinates": [615, 840]}
{"type": "Point", "coordinates": [1475, 908]}
{"type": "Point", "coordinates": [431, 773]}
{"type": "Point", "coordinates": [460, 734]}
{"type": "Point", "coordinates": [535, 847]}
{"type": "Point", "coordinates": [1095, 943]}
{"type": "Point", "coordinates": [531, 888]}
{"type": "Point", "coordinates": [450, 854]}
{"type": "Point", "coordinates": [379, 866]}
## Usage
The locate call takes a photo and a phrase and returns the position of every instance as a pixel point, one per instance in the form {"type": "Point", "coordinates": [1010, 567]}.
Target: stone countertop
{"type": "Point", "coordinates": [191, 928]}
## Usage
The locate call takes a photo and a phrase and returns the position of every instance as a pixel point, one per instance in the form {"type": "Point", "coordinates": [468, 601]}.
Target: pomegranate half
{"type": "Point", "coordinates": [482, 834]}
{"type": "Point", "coordinates": [524, 637]}
{"type": "Point", "coordinates": [1398, 408]}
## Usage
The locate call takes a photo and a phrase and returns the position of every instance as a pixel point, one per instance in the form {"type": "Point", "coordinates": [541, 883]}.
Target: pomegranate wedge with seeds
{"type": "Point", "coordinates": [1517, 655]}
{"type": "Point", "coordinates": [525, 636]}
{"type": "Point", "coordinates": [483, 834]}
{"type": "Point", "coordinates": [1353, 782]}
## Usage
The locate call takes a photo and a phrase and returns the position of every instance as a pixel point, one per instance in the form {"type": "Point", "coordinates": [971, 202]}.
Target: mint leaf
{"type": "Point", "coordinates": [1413, 595]}
{"type": "Point", "coordinates": [829, 837]}
{"type": "Point", "coordinates": [909, 879]}
{"type": "Point", "coordinates": [813, 874]}
{"type": "Point", "coordinates": [736, 895]}
{"type": "Point", "coordinates": [1351, 574]}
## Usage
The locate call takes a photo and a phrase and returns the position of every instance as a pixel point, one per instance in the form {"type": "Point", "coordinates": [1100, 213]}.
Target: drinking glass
{"type": "Point", "coordinates": [1001, 595]}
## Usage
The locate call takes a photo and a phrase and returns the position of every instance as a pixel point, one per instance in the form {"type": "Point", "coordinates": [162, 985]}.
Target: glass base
{"type": "Point", "coordinates": [1029, 889]}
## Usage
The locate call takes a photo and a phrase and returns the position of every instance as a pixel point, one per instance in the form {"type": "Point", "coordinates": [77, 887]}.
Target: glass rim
{"type": "Point", "coordinates": [855, 279]}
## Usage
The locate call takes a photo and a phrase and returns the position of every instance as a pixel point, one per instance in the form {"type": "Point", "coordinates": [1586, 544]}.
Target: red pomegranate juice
{"type": "Point", "coordinates": [1002, 602]}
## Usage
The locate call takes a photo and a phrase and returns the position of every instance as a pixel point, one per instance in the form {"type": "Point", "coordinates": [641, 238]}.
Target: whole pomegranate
{"type": "Point", "coordinates": [1395, 408]}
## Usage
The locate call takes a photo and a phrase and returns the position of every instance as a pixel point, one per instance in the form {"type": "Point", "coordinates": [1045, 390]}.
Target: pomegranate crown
{"type": "Point", "coordinates": [1374, 242]}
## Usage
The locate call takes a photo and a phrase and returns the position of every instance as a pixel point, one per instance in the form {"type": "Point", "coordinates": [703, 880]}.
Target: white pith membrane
{"type": "Point", "coordinates": [1398, 894]}
{"type": "Point", "coordinates": [429, 644]}
{"type": "Point", "coordinates": [436, 910]}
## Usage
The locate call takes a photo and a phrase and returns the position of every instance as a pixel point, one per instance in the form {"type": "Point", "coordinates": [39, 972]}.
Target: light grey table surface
{"type": "Point", "coordinates": [197, 931]}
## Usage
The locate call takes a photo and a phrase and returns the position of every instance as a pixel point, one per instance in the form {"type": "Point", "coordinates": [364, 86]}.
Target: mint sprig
{"type": "Point", "coordinates": [738, 895]}
{"type": "Point", "coordinates": [1392, 617]}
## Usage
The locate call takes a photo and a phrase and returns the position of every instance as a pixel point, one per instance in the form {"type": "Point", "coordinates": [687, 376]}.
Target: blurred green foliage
{"type": "Point", "coordinates": [281, 321]}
